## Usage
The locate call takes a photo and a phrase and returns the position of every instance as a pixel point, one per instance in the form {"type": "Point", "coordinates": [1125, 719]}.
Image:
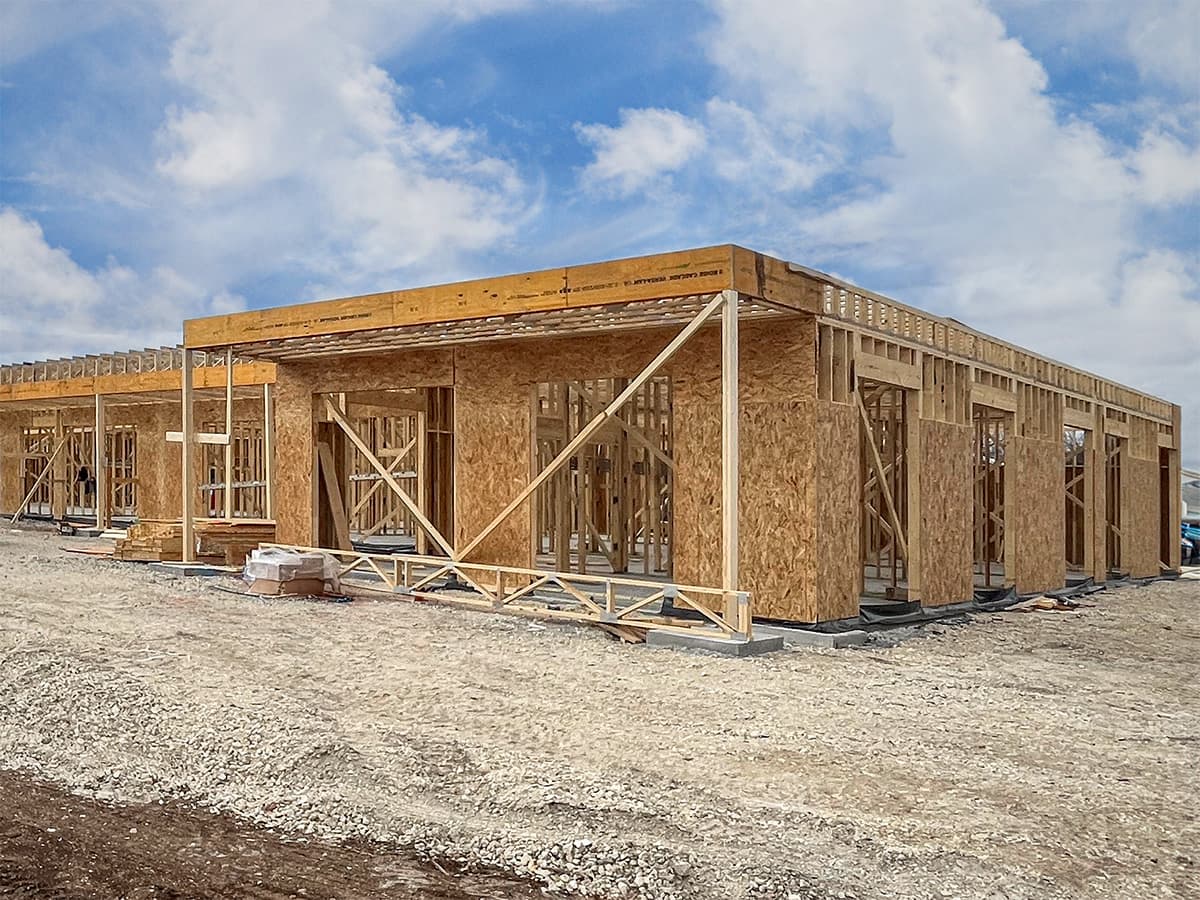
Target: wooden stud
{"type": "Point", "coordinates": [188, 487]}
{"type": "Point", "coordinates": [228, 493]}
{"type": "Point", "coordinates": [912, 483]}
{"type": "Point", "coordinates": [333, 491]}
{"type": "Point", "coordinates": [268, 450]}
{"type": "Point", "coordinates": [101, 466]}
{"type": "Point", "coordinates": [729, 452]}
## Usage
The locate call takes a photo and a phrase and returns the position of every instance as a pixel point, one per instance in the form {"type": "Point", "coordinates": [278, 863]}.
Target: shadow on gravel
{"type": "Point", "coordinates": [56, 845]}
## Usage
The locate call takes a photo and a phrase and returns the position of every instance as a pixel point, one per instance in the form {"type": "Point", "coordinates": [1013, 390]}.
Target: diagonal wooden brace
{"type": "Point", "coordinates": [597, 422]}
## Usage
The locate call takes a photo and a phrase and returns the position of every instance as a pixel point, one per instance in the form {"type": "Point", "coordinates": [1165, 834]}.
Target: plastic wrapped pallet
{"type": "Point", "coordinates": [274, 570]}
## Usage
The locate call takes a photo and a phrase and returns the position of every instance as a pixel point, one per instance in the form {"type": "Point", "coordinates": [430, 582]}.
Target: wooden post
{"type": "Point", "coordinates": [1175, 489]}
{"type": "Point", "coordinates": [229, 434]}
{"type": "Point", "coordinates": [268, 452]}
{"type": "Point", "coordinates": [422, 469]}
{"type": "Point", "coordinates": [1099, 533]}
{"type": "Point", "coordinates": [100, 466]}
{"type": "Point", "coordinates": [188, 427]}
{"type": "Point", "coordinates": [912, 472]}
{"type": "Point", "coordinates": [61, 475]}
{"type": "Point", "coordinates": [729, 453]}
{"type": "Point", "coordinates": [1089, 501]}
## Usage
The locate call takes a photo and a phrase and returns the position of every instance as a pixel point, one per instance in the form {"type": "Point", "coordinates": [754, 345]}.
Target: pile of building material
{"type": "Point", "coordinates": [273, 571]}
{"type": "Point", "coordinates": [218, 543]}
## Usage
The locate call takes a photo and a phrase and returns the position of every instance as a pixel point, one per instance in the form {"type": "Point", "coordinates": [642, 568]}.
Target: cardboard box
{"type": "Point", "coordinates": [302, 586]}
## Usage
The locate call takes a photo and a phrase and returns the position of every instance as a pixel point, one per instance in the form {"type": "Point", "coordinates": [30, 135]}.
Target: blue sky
{"type": "Point", "coordinates": [1031, 167]}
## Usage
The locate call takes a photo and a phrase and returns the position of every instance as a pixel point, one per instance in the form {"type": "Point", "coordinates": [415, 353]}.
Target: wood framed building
{"type": "Point", "coordinates": [755, 438]}
{"type": "Point", "coordinates": [52, 466]}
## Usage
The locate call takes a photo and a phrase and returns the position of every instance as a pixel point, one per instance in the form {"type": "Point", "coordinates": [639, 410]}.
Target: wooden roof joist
{"type": "Point", "coordinates": [159, 386]}
{"type": "Point", "coordinates": [588, 320]}
{"type": "Point", "coordinates": [130, 362]}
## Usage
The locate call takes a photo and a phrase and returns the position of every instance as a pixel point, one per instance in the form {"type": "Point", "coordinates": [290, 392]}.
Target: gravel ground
{"type": "Point", "coordinates": [1037, 755]}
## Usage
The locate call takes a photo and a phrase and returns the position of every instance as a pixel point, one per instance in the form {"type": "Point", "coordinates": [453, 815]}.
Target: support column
{"type": "Point", "coordinates": [268, 452]}
{"type": "Point", "coordinates": [188, 468]}
{"type": "Point", "coordinates": [1089, 501]}
{"type": "Point", "coordinates": [421, 467]}
{"type": "Point", "coordinates": [60, 474]}
{"type": "Point", "coordinates": [100, 466]}
{"type": "Point", "coordinates": [729, 453]}
{"type": "Point", "coordinates": [229, 434]}
{"type": "Point", "coordinates": [1099, 534]}
{"type": "Point", "coordinates": [913, 467]}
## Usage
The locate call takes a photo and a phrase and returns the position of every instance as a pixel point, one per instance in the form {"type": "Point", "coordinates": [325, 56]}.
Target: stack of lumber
{"type": "Point", "coordinates": [218, 543]}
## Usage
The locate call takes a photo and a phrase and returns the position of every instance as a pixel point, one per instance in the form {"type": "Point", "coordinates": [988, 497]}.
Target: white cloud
{"type": "Point", "coordinates": [648, 144]}
{"type": "Point", "coordinates": [1169, 170]}
{"type": "Point", "coordinates": [957, 182]}
{"type": "Point", "coordinates": [51, 306]}
{"type": "Point", "coordinates": [286, 99]}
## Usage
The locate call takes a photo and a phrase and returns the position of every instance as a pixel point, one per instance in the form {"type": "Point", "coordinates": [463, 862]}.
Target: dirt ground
{"type": "Point", "coordinates": [54, 844]}
{"type": "Point", "coordinates": [1036, 755]}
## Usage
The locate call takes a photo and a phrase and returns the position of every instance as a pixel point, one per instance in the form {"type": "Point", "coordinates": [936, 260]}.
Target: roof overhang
{"type": "Point", "coordinates": [641, 292]}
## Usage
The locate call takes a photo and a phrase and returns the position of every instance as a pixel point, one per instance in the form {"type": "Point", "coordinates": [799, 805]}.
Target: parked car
{"type": "Point", "coordinates": [1190, 548]}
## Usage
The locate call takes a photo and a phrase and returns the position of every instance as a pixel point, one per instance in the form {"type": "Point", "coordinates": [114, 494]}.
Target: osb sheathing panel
{"type": "Point", "coordinates": [1038, 519]}
{"type": "Point", "coordinates": [946, 513]}
{"type": "Point", "coordinates": [838, 581]}
{"type": "Point", "coordinates": [492, 397]}
{"type": "Point", "coordinates": [295, 469]}
{"type": "Point", "coordinates": [776, 530]}
{"type": "Point", "coordinates": [377, 372]}
{"type": "Point", "coordinates": [1140, 523]}
{"type": "Point", "coordinates": [11, 424]}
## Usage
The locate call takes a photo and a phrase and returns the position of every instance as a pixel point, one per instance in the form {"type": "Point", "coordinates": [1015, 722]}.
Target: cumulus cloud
{"type": "Point", "coordinates": [1168, 169]}
{"type": "Point", "coordinates": [958, 184]}
{"type": "Point", "coordinates": [86, 311]}
{"type": "Point", "coordinates": [288, 99]}
{"type": "Point", "coordinates": [646, 145]}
